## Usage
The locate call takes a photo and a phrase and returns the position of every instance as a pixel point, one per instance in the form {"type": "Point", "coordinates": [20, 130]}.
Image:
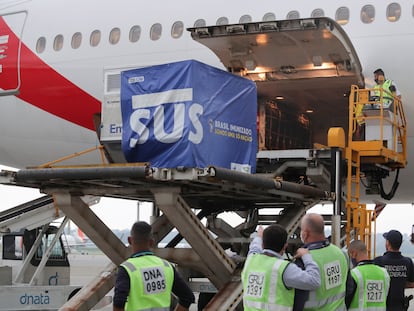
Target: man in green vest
{"type": "Point", "coordinates": [332, 262]}
{"type": "Point", "coordinates": [368, 288]}
{"type": "Point", "coordinates": [269, 280]}
{"type": "Point", "coordinates": [144, 281]}
{"type": "Point", "coordinates": [389, 89]}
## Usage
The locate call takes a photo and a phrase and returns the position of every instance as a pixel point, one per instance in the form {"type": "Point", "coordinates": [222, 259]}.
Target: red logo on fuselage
{"type": "Point", "coordinates": [41, 85]}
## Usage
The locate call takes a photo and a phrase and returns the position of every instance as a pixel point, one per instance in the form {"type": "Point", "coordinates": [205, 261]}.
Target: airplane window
{"type": "Point", "coordinates": [245, 19]}
{"type": "Point", "coordinates": [393, 12]}
{"type": "Point", "coordinates": [58, 43]}
{"type": "Point", "coordinates": [222, 21]}
{"type": "Point", "coordinates": [200, 23]}
{"type": "Point", "coordinates": [114, 36]}
{"type": "Point", "coordinates": [177, 29]}
{"type": "Point", "coordinates": [368, 14]}
{"type": "Point", "coordinates": [76, 40]}
{"type": "Point", "coordinates": [317, 13]}
{"type": "Point", "coordinates": [135, 33]}
{"type": "Point", "coordinates": [269, 17]}
{"type": "Point", "coordinates": [95, 38]}
{"type": "Point", "coordinates": [155, 32]}
{"type": "Point", "coordinates": [40, 45]}
{"type": "Point", "coordinates": [342, 15]}
{"type": "Point", "coordinates": [293, 15]}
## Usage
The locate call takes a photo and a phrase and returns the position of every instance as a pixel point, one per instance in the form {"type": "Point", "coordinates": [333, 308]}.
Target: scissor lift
{"type": "Point", "coordinates": [382, 149]}
{"type": "Point", "coordinates": [184, 197]}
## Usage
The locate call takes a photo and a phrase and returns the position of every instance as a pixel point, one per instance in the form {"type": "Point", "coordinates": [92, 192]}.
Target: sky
{"type": "Point", "coordinates": [115, 213]}
{"type": "Point", "coordinates": [121, 214]}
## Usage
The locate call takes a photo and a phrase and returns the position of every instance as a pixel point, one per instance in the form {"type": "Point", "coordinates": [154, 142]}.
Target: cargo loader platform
{"type": "Point", "coordinates": [183, 197]}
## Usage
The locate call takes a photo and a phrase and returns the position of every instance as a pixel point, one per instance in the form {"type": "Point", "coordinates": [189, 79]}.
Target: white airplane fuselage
{"type": "Point", "coordinates": [35, 130]}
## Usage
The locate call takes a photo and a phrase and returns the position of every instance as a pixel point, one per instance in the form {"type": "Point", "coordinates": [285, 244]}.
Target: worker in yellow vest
{"type": "Point", "coordinates": [368, 288]}
{"type": "Point", "coordinates": [388, 86]}
{"type": "Point", "coordinates": [268, 280]}
{"type": "Point", "coordinates": [332, 262]}
{"type": "Point", "coordinates": [144, 281]}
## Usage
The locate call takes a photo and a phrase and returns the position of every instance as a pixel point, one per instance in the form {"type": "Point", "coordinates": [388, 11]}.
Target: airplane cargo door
{"type": "Point", "coordinates": [303, 70]}
{"type": "Point", "coordinates": [11, 31]}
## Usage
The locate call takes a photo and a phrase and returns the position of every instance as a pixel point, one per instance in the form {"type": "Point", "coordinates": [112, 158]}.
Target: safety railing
{"type": "Point", "coordinates": [376, 115]}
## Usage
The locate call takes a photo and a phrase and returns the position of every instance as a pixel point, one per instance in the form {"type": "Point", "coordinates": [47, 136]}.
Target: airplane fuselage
{"type": "Point", "coordinates": [59, 88]}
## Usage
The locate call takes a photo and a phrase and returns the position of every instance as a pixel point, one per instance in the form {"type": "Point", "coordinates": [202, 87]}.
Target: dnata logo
{"type": "Point", "coordinates": [143, 105]}
{"type": "Point", "coordinates": [33, 299]}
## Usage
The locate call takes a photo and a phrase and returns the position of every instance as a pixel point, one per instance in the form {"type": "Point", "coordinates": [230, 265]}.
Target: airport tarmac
{"type": "Point", "coordinates": [86, 267]}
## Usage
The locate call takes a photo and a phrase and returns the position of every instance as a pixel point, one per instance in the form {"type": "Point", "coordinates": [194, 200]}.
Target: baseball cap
{"type": "Point", "coordinates": [394, 237]}
{"type": "Point", "coordinates": [379, 71]}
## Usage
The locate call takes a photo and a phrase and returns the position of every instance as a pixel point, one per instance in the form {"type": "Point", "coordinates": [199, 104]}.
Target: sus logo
{"type": "Point", "coordinates": [144, 105]}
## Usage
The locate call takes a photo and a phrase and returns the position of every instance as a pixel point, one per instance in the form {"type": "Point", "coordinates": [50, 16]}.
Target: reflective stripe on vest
{"type": "Point", "coordinates": [368, 309]}
{"type": "Point", "coordinates": [387, 96]}
{"type": "Point", "coordinates": [266, 306]}
{"type": "Point", "coordinates": [129, 265]}
{"type": "Point", "coordinates": [273, 280]}
{"type": "Point", "coordinates": [333, 266]}
{"type": "Point", "coordinates": [155, 309]}
{"type": "Point", "coordinates": [377, 294]}
{"type": "Point", "coordinates": [317, 304]}
{"type": "Point", "coordinates": [132, 267]}
{"type": "Point", "coordinates": [360, 288]}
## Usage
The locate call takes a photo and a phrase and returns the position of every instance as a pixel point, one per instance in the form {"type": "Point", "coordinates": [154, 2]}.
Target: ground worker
{"type": "Point", "coordinates": [368, 287]}
{"type": "Point", "coordinates": [145, 281]}
{"type": "Point", "coordinates": [269, 280]}
{"type": "Point", "coordinates": [388, 86]}
{"type": "Point", "coordinates": [332, 262]}
{"type": "Point", "coordinates": [400, 269]}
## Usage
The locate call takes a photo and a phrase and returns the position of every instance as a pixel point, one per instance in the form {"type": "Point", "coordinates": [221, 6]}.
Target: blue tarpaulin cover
{"type": "Point", "coordinates": [189, 114]}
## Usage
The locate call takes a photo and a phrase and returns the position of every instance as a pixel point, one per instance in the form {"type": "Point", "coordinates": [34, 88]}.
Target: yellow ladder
{"type": "Point", "coordinates": [358, 225]}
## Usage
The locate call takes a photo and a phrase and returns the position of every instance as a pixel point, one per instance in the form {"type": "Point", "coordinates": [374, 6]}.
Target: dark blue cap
{"type": "Point", "coordinates": [394, 237]}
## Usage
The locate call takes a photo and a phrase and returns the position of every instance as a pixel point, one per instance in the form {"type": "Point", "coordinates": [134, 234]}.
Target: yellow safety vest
{"type": "Point", "coordinates": [333, 266]}
{"type": "Point", "coordinates": [387, 97]}
{"type": "Point", "coordinates": [263, 287]}
{"type": "Point", "coordinates": [151, 280]}
{"type": "Point", "coordinates": [373, 283]}
{"type": "Point", "coordinates": [358, 114]}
